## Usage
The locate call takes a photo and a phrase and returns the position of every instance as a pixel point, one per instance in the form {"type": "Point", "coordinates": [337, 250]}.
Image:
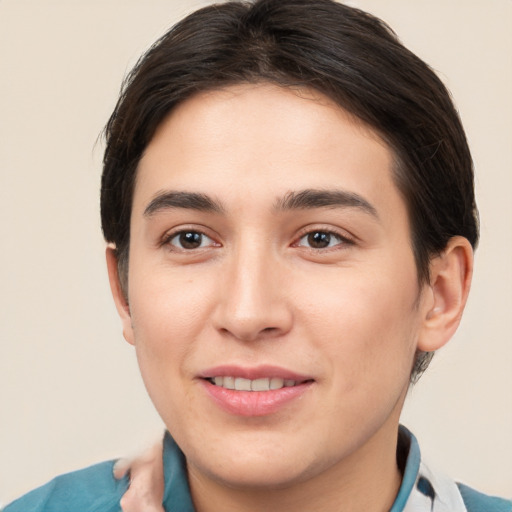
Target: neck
{"type": "Point", "coordinates": [366, 481]}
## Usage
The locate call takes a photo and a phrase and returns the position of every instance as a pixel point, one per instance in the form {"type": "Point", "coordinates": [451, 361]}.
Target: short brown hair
{"type": "Point", "coordinates": [350, 56]}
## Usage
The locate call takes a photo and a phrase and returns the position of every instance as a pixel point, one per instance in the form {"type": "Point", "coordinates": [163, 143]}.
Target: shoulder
{"type": "Point", "coordinates": [93, 489]}
{"type": "Point", "coordinates": [476, 501]}
{"type": "Point", "coordinates": [425, 488]}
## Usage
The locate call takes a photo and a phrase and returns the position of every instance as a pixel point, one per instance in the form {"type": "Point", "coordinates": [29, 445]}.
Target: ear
{"type": "Point", "coordinates": [120, 300]}
{"type": "Point", "coordinates": [450, 280]}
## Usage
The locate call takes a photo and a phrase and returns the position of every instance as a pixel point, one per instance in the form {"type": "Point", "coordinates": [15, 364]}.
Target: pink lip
{"type": "Point", "coordinates": [254, 403]}
{"type": "Point", "coordinates": [258, 372]}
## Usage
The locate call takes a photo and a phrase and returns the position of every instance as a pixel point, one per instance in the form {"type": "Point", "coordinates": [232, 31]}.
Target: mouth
{"type": "Point", "coordinates": [254, 392]}
{"type": "Point", "coordinates": [261, 384]}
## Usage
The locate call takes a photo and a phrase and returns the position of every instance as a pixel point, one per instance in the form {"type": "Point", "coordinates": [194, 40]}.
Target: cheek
{"type": "Point", "coordinates": [166, 302]}
{"type": "Point", "coordinates": [366, 324]}
{"type": "Point", "coordinates": [168, 312]}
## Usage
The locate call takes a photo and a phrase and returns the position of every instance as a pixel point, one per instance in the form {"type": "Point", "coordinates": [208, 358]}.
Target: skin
{"type": "Point", "coordinates": [260, 290]}
{"type": "Point", "coordinates": [146, 490]}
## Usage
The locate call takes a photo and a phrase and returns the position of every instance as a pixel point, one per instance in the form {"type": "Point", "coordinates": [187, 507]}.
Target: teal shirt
{"type": "Point", "coordinates": [94, 489]}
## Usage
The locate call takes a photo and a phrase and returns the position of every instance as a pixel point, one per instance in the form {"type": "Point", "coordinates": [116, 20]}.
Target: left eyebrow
{"type": "Point", "coordinates": [317, 198]}
{"type": "Point", "coordinates": [171, 200]}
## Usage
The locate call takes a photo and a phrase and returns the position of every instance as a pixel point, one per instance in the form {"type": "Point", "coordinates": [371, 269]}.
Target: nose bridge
{"type": "Point", "coordinates": [254, 303]}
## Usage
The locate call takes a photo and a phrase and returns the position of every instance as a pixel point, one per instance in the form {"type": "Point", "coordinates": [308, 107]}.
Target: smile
{"type": "Point", "coordinates": [254, 392]}
{"type": "Point", "coordinates": [262, 384]}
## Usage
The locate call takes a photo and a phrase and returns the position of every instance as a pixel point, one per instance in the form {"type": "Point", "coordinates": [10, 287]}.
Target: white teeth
{"type": "Point", "coordinates": [276, 383]}
{"type": "Point", "coordinates": [229, 382]}
{"type": "Point", "coordinates": [260, 385]}
{"type": "Point", "coordinates": [242, 384]}
{"type": "Point", "coordinates": [263, 384]}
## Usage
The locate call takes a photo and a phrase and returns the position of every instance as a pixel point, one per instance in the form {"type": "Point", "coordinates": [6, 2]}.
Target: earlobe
{"type": "Point", "coordinates": [120, 300]}
{"type": "Point", "coordinates": [450, 280]}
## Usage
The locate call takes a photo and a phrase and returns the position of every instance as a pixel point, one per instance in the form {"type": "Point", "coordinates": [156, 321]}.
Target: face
{"type": "Point", "coordinates": [273, 295]}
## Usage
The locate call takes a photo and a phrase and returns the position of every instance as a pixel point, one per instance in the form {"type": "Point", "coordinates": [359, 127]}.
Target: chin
{"type": "Point", "coordinates": [258, 475]}
{"type": "Point", "coordinates": [271, 462]}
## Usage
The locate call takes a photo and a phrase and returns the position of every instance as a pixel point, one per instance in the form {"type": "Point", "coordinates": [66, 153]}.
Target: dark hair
{"type": "Point", "coordinates": [350, 56]}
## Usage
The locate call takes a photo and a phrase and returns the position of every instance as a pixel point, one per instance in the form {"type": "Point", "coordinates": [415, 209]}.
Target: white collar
{"type": "Point", "coordinates": [422, 489]}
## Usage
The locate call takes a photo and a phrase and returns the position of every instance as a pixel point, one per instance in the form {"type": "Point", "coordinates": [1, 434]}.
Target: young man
{"type": "Point", "coordinates": [288, 201]}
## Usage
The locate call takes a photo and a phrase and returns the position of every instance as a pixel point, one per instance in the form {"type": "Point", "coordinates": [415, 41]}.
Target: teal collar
{"type": "Point", "coordinates": [177, 492]}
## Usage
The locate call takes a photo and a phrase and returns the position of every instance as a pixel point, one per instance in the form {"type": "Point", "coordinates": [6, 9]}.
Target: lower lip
{"type": "Point", "coordinates": [254, 403]}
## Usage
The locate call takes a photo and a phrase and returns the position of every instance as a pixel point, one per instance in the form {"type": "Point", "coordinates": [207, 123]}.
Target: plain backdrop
{"type": "Point", "coordinates": [70, 392]}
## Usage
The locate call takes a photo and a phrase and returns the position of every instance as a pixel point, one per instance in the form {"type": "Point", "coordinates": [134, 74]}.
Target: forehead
{"type": "Point", "coordinates": [263, 138]}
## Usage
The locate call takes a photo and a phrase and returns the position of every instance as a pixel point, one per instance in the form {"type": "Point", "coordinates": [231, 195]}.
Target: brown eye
{"type": "Point", "coordinates": [190, 240]}
{"type": "Point", "coordinates": [321, 240]}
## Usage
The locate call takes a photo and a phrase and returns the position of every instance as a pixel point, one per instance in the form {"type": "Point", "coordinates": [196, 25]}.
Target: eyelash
{"type": "Point", "coordinates": [167, 240]}
{"type": "Point", "coordinates": [342, 240]}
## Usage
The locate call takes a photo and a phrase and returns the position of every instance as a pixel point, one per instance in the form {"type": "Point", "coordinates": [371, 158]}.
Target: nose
{"type": "Point", "coordinates": [254, 303]}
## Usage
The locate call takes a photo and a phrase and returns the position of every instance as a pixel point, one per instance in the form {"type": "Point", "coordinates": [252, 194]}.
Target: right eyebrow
{"type": "Point", "coordinates": [309, 199]}
{"type": "Point", "coordinates": [170, 200]}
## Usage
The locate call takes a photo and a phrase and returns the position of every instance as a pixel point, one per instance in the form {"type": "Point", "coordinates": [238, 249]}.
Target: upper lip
{"type": "Point", "coordinates": [252, 373]}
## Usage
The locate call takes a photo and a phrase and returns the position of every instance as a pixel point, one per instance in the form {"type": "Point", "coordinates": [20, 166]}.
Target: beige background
{"type": "Point", "coordinates": [70, 393]}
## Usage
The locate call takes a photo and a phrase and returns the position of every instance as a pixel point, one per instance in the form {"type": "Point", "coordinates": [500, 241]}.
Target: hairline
{"type": "Point", "coordinates": [398, 168]}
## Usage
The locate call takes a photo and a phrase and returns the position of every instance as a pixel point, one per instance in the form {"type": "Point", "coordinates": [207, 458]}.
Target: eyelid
{"type": "Point", "coordinates": [174, 232]}
{"type": "Point", "coordinates": [345, 237]}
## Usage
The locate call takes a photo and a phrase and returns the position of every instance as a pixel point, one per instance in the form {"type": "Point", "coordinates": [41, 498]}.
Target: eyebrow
{"type": "Point", "coordinates": [317, 198]}
{"type": "Point", "coordinates": [170, 200]}
{"type": "Point", "coordinates": [297, 200]}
